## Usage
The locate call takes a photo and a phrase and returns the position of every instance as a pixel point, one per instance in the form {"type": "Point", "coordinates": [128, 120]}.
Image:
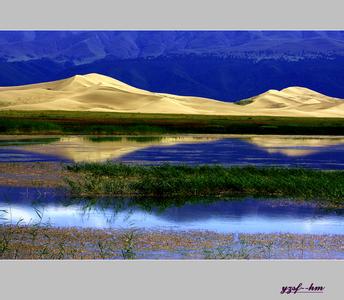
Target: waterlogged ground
{"type": "Point", "coordinates": [221, 215]}
{"type": "Point", "coordinates": [43, 223]}
{"type": "Point", "coordinates": [38, 220]}
{"type": "Point", "coordinates": [322, 152]}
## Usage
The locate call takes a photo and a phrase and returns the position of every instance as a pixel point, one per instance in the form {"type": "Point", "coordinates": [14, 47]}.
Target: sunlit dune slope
{"type": "Point", "coordinates": [95, 92]}
{"type": "Point", "coordinates": [296, 101]}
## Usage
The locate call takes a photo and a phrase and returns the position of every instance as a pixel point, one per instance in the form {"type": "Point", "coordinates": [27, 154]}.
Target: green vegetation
{"type": "Point", "coordinates": [33, 141]}
{"type": "Point", "coordinates": [18, 126]}
{"type": "Point", "coordinates": [128, 242]}
{"type": "Point", "coordinates": [169, 181]}
{"type": "Point", "coordinates": [63, 122]}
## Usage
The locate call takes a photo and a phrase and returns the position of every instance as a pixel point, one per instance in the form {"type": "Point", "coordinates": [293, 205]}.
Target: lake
{"type": "Point", "coordinates": [222, 215]}
{"type": "Point", "coordinates": [247, 215]}
{"type": "Point", "coordinates": [323, 152]}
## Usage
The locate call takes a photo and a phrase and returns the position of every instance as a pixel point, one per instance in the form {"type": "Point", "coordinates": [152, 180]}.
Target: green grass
{"type": "Point", "coordinates": [19, 126]}
{"type": "Point", "coordinates": [63, 122]}
{"type": "Point", "coordinates": [30, 141]}
{"type": "Point", "coordinates": [180, 181]}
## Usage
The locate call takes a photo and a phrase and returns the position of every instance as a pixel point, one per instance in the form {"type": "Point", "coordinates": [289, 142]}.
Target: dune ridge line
{"type": "Point", "coordinates": [96, 92]}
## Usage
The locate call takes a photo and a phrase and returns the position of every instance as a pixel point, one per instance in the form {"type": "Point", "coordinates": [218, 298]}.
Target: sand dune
{"type": "Point", "coordinates": [296, 101]}
{"type": "Point", "coordinates": [95, 92]}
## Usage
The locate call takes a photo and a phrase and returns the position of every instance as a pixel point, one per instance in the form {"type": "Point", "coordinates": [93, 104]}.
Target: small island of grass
{"type": "Point", "coordinates": [111, 179]}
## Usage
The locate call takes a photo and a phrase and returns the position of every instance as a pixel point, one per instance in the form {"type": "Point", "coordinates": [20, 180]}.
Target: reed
{"type": "Point", "coordinates": [110, 179]}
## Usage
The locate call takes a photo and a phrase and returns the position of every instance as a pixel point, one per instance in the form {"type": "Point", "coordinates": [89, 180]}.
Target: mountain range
{"type": "Point", "coordinates": [80, 47]}
{"type": "Point", "coordinates": [222, 65]}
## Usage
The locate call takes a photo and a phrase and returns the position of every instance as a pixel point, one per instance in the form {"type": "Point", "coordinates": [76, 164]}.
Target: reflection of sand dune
{"type": "Point", "coordinates": [94, 92]}
{"type": "Point", "coordinates": [80, 149]}
{"type": "Point", "coordinates": [293, 145]}
{"type": "Point", "coordinates": [102, 148]}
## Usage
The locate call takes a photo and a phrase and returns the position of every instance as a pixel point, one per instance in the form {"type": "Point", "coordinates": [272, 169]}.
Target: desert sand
{"type": "Point", "coordinates": [95, 92]}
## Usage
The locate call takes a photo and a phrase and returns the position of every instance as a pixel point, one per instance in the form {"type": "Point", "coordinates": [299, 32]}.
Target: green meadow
{"type": "Point", "coordinates": [63, 122]}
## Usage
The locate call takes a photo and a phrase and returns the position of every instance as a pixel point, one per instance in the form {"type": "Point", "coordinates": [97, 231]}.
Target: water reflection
{"type": "Point", "coordinates": [316, 152]}
{"type": "Point", "coordinates": [240, 152]}
{"type": "Point", "coordinates": [294, 145]}
{"type": "Point", "coordinates": [220, 215]}
{"type": "Point", "coordinates": [94, 149]}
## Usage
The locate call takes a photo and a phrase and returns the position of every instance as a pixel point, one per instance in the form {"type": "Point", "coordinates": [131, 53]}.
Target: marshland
{"type": "Point", "coordinates": [171, 196]}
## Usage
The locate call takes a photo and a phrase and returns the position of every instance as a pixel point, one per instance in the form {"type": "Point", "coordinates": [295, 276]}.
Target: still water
{"type": "Point", "coordinates": [291, 151]}
{"type": "Point", "coordinates": [220, 215]}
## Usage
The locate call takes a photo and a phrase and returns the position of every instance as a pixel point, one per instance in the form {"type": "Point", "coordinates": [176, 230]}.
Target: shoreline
{"type": "Point", "coordinates": [39, 242]}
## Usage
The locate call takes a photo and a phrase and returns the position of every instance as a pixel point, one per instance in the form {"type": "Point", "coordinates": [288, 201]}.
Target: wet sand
{"type": "Point", "coordinates": [33, 174]}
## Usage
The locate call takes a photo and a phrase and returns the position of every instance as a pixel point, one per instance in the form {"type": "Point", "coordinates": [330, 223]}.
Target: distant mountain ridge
{"type": "Point", "coordinates": [96, 92]}
{"type": "Point", "coordinates": [223, 65]}
{"type": "Point", "coordinates": [80, 47]}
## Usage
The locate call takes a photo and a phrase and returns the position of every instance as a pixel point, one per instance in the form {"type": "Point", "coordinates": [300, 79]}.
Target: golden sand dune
{"type": "Point", "coordinates": [95, 92]}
